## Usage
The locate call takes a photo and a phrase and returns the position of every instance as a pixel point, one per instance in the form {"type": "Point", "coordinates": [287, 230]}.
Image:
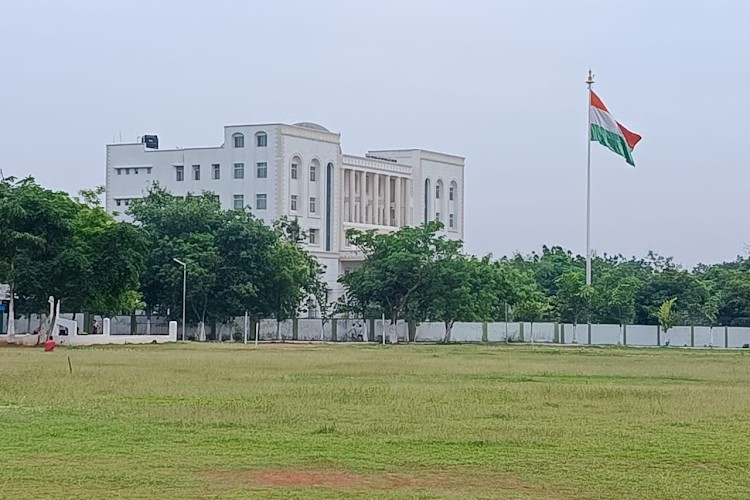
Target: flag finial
{"type": "Point", "coordinates": [590, 80]}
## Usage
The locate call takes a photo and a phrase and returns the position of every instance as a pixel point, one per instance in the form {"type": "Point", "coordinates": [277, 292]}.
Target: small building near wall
{"type": "Point", "coordinates": [299, 171]}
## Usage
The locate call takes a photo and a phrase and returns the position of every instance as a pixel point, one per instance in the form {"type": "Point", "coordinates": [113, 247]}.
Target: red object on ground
{"type": "Point", "coordinates": [49, 346]}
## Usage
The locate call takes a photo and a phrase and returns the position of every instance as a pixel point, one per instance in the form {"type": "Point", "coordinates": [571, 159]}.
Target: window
{"type": "Point", "coordinates": [127, 171]}
{"type": "Point", "coordinates": [451, 193]}
{"type": "Point", "coordinates": [119, 202]}
{"type": "Point", "coordinates": [427, 197]}
{"type": "Point", "coordinates": [148, 170]}
{"type": "Point", "coordinates": [312, 172]}
{"type": "Point", "coordinates": [261, 139]}
{"type": "Point", "coordinates": [293, 205]}
{"type": "Point", "coordinates": [180, 173]}
{"type": "Point", "coordinates": [119, 171]}
{"type": "Point", "coordinates": [261, 170]}
{"type": "Point", "coordinates": [329, 205]}
{"type": "Point", "coordinates": [313, 236]}
{"type": "Point", "coordinates": [239, 170]}
{"type": "Point", "coordinates": [135, 171]}
{"type": "Point", "coordinates": [294, 170]}
{"type": "Point", "coordinates": [451, 221]}
{"type": "Point", "coordinates": [239, 140]}
{"type": "Point", "coordinates": [437, 216]}
{"type": "Point", "coordinates": [196, 172]}
{"type": "Point", "coordinates": [313, 204]}
{"type": "Point", "coordinates": [437, 191]}
{"type": "Point", "coordinates": [260, 201]}
{"type": "Point", "coordinates": [238, 202]}
{"type": "Point", "coordinates": [216, 171]}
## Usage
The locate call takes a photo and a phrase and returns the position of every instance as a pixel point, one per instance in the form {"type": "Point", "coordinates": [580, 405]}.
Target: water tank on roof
{"type": "Point", "coordinates": [151, 141]}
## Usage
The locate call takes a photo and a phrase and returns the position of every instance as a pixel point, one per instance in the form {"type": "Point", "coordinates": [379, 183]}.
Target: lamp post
{"type": "Point", "coordinates": [184, 291]}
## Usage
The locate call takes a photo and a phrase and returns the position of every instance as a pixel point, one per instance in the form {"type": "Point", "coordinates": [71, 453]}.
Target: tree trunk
{"type": "Point", "coordinates": [448, 329]}
{"type": "Point", "coordinates": [11, 314]}
{"type": "Point", "coordinates": [575, 333]}
{"type": "Point", "coordinates": [392, 335]}
{"type": "Point", "coordinates": [531, 333]}
{"type": "Point", "coordinates": [52, 321]}
{"type": "Point", "coordinates": [278, 329]}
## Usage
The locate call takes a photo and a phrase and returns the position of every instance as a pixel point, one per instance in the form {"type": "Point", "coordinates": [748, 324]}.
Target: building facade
{"type": "Point", "coordinates": [299, 171]}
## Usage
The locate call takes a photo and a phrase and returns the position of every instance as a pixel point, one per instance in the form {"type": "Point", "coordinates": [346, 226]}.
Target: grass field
{"type": "Point", "coordinates": [362, 421]}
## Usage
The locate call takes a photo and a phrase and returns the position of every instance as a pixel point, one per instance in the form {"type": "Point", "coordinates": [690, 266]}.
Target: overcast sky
{"type": "Point", "coordinates": [499, 82]}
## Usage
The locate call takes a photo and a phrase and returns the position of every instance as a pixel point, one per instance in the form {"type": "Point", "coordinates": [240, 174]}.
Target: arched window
{"type": "Point", "coordinates": [294, 167]}
{"type": "Point", "coordinates": [239, 140]}
{"type": "Point", "coordinates": [261, 140]}
{"type": "Point", "coordinates": [329, 206]}
{"type": "Point", "coordinates": [427, 198]}
{"type": "Point", "coordinates": [453, 206]}
{"type": "Point", "coordinates": [439, 201]}
{"type": "Point", "coordinates": [314, 170]}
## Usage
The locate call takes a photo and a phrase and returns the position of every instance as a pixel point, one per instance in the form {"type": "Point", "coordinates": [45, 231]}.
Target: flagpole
{"type": "Point", "coordinates": [589, 82]}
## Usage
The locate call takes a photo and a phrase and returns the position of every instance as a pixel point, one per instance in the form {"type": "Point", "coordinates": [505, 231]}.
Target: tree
{"type": "Point", "coordinates": [573, 298]}
{"type": "Point", "coordinates": [532, 307]}
{"type": "Point", "coordinates": [666, 316]}
{"type": "Point", "coordinates": [710, 311]}
{"type": "Point", "coordinates": [184, 229]}
{"type": "Point", "coordinates": [295, 278]}
{"type": "Point", "coordinates": [310, 282]}
{"type": "Point", "coordinates": [114, 259]}
{"type": "Point", "coordinates": [672, 282]}
{"type": "Point", "coordinates": [36, 226]}
{"type": "Point", "coordinates": [395, 271]}
{"type": "Point", "coordinates": [247, 265]}
{"type": "Point", "coordinates": [459, 288]}
{"type": "Point", "coordinates": [615, 298]}
{"type": "Point", "coordinates": [71, 249]}
{"type": "Point", "coordinates": [735, 299]}
{"type": "Point", "coordinates": [235, 263]}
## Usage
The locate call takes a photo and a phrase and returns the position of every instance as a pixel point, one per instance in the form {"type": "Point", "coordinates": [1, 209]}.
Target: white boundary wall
{"type": "Point", "coordinates": [350, 330]}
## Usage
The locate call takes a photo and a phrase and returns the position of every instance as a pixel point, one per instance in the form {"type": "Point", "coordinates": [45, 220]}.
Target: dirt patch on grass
{"type": "Point", "coordinates": [290, 344]}
{"type": "Point", "coordinates": [337, 480]}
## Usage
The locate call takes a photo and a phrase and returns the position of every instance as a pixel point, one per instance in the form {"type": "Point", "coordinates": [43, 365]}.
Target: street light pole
{"type": "Point", "coordinates": [184, 292]}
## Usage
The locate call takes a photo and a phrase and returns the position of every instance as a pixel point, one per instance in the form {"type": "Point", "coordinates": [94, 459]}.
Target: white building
{"type": "Point", "coordinates": [299, 171]}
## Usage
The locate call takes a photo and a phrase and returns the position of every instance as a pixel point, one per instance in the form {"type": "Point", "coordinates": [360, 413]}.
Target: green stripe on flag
{"type": "Point", "coordinates": [613, 141]}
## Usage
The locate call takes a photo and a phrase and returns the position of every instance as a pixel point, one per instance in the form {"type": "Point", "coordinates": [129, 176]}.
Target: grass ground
{"type": "Point", "coordinates": [343, 421]}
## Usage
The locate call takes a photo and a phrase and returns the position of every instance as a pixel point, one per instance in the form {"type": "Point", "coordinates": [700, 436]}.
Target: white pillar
{"type": "Point", "coordinates": [361, 217]}
{"type": "Point", "coordinates": [368, 213]}
{"type": "Point", "coordinates": [351, 195]}
{"type": "Point", "coordinates": [399, 198]}
{"type": "Point", "coordinates": [387, 215]}
{"type": "Point", "coordinates": [376, 198]}
{"type": "Point", "coordinates": [371, 199]}
{"type": "Point", "coordinates": [107, 327]}
{"type": "Point", "coordinates": [408, 203]}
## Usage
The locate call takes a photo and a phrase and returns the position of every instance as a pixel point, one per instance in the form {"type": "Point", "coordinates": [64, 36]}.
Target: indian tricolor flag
{"type": "Point", "coordinates": [606, 131]}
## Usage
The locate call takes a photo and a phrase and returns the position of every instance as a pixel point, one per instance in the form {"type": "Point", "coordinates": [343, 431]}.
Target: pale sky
{"type": "Point", "coordinates": [499, 82]}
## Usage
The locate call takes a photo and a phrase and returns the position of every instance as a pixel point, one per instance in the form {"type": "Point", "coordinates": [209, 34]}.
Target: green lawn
{"type": "Point", "coordinates": [363, 421]}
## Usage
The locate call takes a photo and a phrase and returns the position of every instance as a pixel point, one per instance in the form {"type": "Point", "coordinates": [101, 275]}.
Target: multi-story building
{"type": "Point", "coordinates": [299, 171]}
